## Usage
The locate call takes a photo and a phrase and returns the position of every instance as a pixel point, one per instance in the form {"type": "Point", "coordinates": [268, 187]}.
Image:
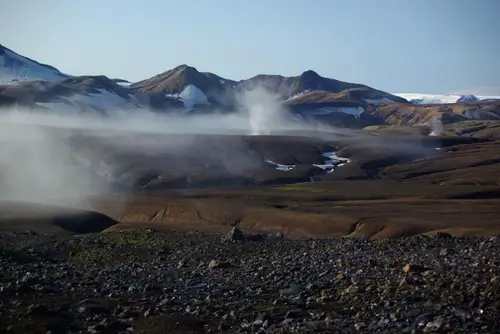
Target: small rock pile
{"type": "Point", "coordinates": [160, 282]}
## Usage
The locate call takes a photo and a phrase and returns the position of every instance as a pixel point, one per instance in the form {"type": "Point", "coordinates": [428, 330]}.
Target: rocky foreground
{"type": "Point", "coordinates": [169, 282]}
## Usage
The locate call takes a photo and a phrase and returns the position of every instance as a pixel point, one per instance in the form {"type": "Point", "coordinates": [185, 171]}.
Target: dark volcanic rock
{"type": "Point", "coordinates": [234, 235]}
{"type": "Point", "coordinates": [117, 282]}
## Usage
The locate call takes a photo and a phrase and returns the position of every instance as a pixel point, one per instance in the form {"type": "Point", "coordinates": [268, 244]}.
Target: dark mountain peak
{"type": "Point", "coordinates": [2, 49]}
{"type": "Point", "coordinates": [90, 79]}
{"type": "Point", "coordinates": [180, 72]}
{"type": "Point", "coordinates": [186, 69]}
{"type": "Point", "coordinates": [310, 75]}
{"type": "Point", "coordinates": [266, 77]}
{"type": "Point", "coordinates": [176, 79]}
{"type": "Point", "coordinates": [93, 81]}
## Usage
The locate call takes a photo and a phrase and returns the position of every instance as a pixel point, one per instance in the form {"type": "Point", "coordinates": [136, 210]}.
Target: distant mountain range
{"type": "Point", "coordinates": [444, 98]}
{"type": "Point", "coordinates": [183, 89]}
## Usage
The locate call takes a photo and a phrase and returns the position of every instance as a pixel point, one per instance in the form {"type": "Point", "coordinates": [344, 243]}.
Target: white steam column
{"type": "Point", "coordinates": [265, 111]}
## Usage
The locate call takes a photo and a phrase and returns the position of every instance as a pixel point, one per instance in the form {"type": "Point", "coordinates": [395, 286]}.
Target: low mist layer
{"type": "Point", "coordinates": [64, 158]}
{"type": "Point", "coordinates": [46, 157]}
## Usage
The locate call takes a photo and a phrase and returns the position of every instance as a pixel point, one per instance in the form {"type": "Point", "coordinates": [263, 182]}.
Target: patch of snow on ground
{"type": "Point", "coordinates": [222, 81]}
{"type": "Point", "coordinates": [332, 162]}
{"type": "Point", "coordinates": [277, 166]}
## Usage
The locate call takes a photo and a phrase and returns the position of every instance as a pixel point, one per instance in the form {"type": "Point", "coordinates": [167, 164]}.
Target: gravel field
{"type": "Point", "coordinates": [148, 281]}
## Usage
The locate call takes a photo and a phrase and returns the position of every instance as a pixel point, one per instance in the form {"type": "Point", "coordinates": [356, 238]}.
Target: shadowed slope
{"type": "Point", "coordinates": [41, 218]}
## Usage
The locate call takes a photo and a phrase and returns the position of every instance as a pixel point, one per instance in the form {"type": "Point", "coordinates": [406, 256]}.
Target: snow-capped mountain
{"type": "Point", "coordinates": [307, 97]}
{"type": "Point", "coordinates": [467, 98]}
{"type": "Point", "coordinates": [16, 68]}
{"type": "Point", "coordinates": [415, 98]}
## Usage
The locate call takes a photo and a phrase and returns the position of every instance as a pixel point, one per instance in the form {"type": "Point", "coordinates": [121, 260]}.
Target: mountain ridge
{"type": "Point", "coordinates": [217, 88]}
{"type": "Point", "coordinates": [307, 96]}
{"type": "Point", "coordinates": [14, 67]}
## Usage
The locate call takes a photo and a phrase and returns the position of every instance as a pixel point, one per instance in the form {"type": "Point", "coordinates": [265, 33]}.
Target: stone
{"type": "Point", "coordinates": [414, 268]}
{"type": "Point", "coordinates": [214, 264]}
{"type": "Point", "coordinates": [234, 235]}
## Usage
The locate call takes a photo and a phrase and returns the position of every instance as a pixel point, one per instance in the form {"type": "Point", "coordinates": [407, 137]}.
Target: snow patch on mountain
{"type": "Point", "coordinates": [353, 111]}
{"type": "Point", "coordinates": [124, 83]}
{"type": "Point", "coordinates": [15, 68]}
{"type": "Point", "coordinates": [103, 100]}
{"type": "Point", "coordinates": [381, 100]}
{"type": "Point", "coordinates": [191, 95]}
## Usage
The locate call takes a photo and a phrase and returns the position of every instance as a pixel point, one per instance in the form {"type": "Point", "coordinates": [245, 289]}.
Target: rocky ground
{"type": "Point", "coordinates": [170, 282]}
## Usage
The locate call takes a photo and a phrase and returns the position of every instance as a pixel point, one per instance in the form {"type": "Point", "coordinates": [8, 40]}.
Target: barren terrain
{"type": "Point", "coordinates": [188, 202]}
{"type": "Point", "coordinates": [149, 281]}
{"type": "Point", "coordinates": [392, 235]}
{"type": "Point", "coordinates": [395, 183]}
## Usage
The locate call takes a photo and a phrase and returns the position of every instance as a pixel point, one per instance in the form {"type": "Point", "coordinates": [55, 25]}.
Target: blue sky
{"type": "Point", "coordinates": [423, 46]}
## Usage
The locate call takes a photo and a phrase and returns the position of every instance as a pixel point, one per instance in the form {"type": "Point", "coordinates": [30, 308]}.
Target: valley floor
{"type": "Point", "coordinates": [375, 208]}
